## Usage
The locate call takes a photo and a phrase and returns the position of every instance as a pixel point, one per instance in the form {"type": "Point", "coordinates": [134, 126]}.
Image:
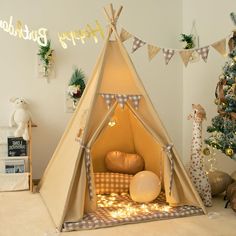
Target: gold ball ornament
{"type": "Point", "coordinates": [229, 152]}
{"type": "Point", "coordinates": [206, 151]}
{"type": "Point", "coordinates": [217, 101]}
{"type": "Point", "coordinates": [223, 105]}
{"type": "Point", "coordinates": [221, 77]}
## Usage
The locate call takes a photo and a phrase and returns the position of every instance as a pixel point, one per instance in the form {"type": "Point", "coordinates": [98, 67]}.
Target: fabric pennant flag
{"type": "Point", "coordinates": [125, 35]}
{"type": "Point", "coordinates": [168, 54]}
{"type": "Point", "coordinates": [121, 99]}
{"type": "Point", "coordinates": [152, 51]}
{"type": "Point", "coordinates": [137, 44]}
{"type": "Point", "coordinates": [88, 172]}
{"type": "Point", "coordinates": [108, 99]}
{"type": "Point", "coordinates": [185, 56]}
{"type": "Point", "coordinates": [203, 52]}
{"type": "Point", "coordinates": [135, 100]}
{"type": "Point", "coordinates": [220, 47]}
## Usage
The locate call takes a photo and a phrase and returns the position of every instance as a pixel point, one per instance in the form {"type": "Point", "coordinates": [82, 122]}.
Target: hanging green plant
{"type": "Point", "coordinates": [188, 39]}
{"type": "Point", "coordinates": [76, 85]}
{"type": "Point", "coordinates": [45, 54]}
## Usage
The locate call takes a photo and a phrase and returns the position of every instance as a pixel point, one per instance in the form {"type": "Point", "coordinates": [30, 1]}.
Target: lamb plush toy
{"type": "Point", "coordinates": [20, 118]}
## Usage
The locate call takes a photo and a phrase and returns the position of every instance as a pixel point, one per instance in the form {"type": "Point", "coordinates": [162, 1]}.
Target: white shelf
{"type": "Point", "coordinates": [14, 182]}
{"type": "Point", "coordinates": [6, 127]}
{"type": "Point", "coordinates": [15, 158]}
{"type": "Point", "coordinates": [3, 143]}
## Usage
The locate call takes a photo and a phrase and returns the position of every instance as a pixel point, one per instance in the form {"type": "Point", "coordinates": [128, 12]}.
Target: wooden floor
{"type": "Point", "coordinates": [24, 214]}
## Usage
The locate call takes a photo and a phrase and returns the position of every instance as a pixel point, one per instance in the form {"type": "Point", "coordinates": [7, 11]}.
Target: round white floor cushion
{"type": "Point", "coordinates": [145, 186]}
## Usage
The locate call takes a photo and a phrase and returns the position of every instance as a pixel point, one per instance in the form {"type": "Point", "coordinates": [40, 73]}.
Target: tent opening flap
{"type": "Point", "coordinates": [125, 133]}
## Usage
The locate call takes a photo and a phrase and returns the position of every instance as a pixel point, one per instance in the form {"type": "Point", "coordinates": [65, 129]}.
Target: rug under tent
{"type": "Point", "coordinates": [119, 209]}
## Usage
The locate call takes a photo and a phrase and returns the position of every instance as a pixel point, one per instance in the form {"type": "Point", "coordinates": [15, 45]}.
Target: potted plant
{"type": "Point", "coordinates": [76, 86]}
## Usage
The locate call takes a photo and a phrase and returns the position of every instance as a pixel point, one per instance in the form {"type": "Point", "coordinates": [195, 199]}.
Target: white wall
{"type": "Point", "coordinates": [199, 79]}
{"type": "Point", "coordinates": [156, 21]}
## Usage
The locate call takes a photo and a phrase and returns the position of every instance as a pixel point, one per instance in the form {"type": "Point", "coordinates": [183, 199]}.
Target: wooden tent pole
{"type": "Point", "coordinates": [118, 13]}
{"type": "Point", "coordinates": [107, 15]}
{"type": "Point", "coordinates": [112, 13]}
{"type": "Point", "coordinates": [112, 17]}
{"type": "Point", "coordinates": [109, 20]}
{"type": "Point", "coordinates": [30, 157]}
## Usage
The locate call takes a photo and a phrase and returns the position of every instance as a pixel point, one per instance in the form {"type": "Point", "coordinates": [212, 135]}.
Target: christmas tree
{"type": "Point", "coordinates": [223, 127]}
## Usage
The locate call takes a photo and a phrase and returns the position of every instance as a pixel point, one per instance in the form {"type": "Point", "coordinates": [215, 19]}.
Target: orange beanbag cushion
{"type": "Point", "coordinates": [125, 163]}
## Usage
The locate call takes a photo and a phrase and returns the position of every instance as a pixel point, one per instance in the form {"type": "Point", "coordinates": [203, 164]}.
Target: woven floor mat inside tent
{"type": "Point", "coordinates": [114, 210]}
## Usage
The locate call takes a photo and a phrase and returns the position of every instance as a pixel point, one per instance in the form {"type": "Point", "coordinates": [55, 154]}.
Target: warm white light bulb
{"type": "Point", "coordinates": [112, 123]}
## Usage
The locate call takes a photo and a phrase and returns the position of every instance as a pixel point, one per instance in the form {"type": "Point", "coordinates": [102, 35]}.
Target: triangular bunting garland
{"type": "Point", "coordinates": [220, 47]}
{"type": "Point", "coordinates": [108, 99]}
{"type": "Point", "coordinates": [185, 56]}
{"type": "Point", "coordinates": [152, 51]}
{"type": "Point", "coordinates": [121, 99]}
{"type": "Point", "coordinates": [125, 35]}
{"type": "Point", "coordinates": [135, 100]}
{"type": "Point", "coordinates": [137, 44]}
{"type": "Point", "coordinates": [168, 54]}
{"type": "Point", "coordinates": [203, 52]}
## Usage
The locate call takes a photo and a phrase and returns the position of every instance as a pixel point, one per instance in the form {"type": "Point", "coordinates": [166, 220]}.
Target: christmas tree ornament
{"type": "Point", "coordinates": [223, 105]}
{"type": "Point", "coordinates": [217, 101]}
{"type": "Point", "coordinates": [221, 77]}
{"type": "Point", "coordinates": [206, 151]}
{"type": "Point", "coordinates": [229, 152]}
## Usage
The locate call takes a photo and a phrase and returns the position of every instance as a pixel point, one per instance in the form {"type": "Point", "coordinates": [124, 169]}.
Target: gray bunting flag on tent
{"type": "Point", "coordinates": [88, 172]}
{"type": "Point", "coordinates": [88, 168]}
{"type": "Point", "coordinates": [108, 99]}
{"type": "Point", "coordinates": [167, 149]}
{"type": "Point", "coordinates": [121, 99]}
{"type": "Point", "coordinates": [137, 44]}
{"type": "Point", "coordinates": [168, 54]}
{"type": "Point", "coordinates": [203, 52]}
{"type": "Point", "coordinates": [135, 100]}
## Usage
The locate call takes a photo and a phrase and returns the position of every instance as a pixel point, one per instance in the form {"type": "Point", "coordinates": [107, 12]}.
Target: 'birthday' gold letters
{"type": "Point", "coordinates": [23, 31]}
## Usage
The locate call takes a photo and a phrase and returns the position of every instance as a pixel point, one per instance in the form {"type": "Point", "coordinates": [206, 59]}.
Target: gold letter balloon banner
{"type": "Point", "coordinates": [39, 36]}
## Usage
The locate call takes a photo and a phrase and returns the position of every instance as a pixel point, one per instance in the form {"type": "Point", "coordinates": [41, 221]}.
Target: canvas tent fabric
{"type": "Point", "coordinates": [66, 189]}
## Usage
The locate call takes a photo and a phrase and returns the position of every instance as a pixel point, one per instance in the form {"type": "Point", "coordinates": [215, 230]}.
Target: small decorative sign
{"type": "Point", "coordinates": [16, 146]}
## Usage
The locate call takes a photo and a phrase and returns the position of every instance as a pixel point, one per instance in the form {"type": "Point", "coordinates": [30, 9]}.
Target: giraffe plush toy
{"type": "Point", "coordinates": [196, 170]}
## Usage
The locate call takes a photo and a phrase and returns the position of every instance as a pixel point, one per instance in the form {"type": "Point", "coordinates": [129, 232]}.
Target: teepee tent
{"type": "Point", "coordinates": [114, 91]}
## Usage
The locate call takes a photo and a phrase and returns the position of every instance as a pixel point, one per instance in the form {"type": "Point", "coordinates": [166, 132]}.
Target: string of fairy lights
{"type": "Point", "coordinates": [128, 209]}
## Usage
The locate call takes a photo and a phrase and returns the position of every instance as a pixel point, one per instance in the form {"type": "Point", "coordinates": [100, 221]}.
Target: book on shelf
{"type": "Point", "coordinates": [17, 146]}
{"type": "Point", "coordinates": [14, 166]}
